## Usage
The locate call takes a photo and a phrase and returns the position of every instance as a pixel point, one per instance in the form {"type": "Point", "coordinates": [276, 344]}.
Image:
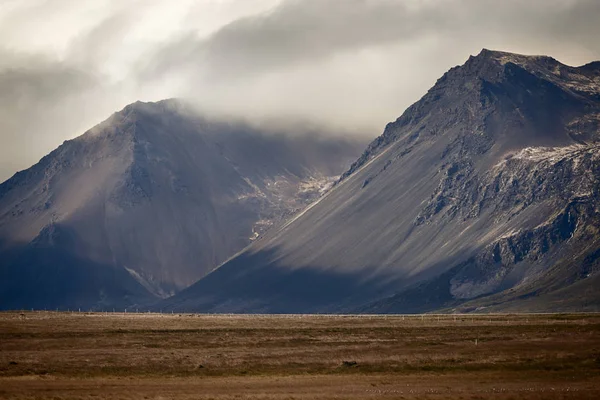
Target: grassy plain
{"type": "Point", "coordinates": [187, 356]}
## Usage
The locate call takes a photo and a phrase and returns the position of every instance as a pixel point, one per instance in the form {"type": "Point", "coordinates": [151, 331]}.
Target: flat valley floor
{"type": "Point", "coordinates": [187, 356]}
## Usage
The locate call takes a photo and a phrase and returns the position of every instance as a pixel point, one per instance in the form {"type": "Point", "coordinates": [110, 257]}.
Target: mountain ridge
{"type": "Point", "coordinates": [459, 170]}
{"type": "Point", "coordinates": [488, 60]}
{"type": "Point", "coordinates": [158, 195]}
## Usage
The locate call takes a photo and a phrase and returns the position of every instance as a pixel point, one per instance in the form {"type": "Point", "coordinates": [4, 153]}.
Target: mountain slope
{"type": "Point", "coordinates": [149, 201]}
{"type": "Point", "coordinates": [487, 184]}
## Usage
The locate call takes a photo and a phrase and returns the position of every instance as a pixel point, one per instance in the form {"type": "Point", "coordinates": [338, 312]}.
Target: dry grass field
{"type": "Point", "coordinates": [153, 356]}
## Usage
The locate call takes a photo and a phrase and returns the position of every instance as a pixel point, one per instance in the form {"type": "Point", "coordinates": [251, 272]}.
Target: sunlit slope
{"type": "Point", "coordinates": [480, 187]}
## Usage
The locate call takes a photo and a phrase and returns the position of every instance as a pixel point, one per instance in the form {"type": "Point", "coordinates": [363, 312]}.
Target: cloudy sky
{"type": "Point", "coordinates": [347, 65]}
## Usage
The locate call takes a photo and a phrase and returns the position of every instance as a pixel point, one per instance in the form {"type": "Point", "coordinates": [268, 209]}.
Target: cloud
{"type": "Point", "coordinates": [35, 95]}
{"type": "Point", "coordinates": [312, 31]}
{"type": "Point", "coordinates": [347, 65]}
{"type": "Point", "coordinates": [335, 60]}
{"type": "Point", "coordinates": [295, 32]}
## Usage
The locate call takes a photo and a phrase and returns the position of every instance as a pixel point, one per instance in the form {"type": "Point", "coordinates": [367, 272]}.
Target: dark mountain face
{"type": "Point", "coordinates": [148, 202]}
{"type": "Point", "coordinates": [484, 193]}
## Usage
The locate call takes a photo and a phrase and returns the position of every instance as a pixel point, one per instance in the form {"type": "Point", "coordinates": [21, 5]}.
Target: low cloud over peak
{"type": "Point", "coordinates": [348, 65]}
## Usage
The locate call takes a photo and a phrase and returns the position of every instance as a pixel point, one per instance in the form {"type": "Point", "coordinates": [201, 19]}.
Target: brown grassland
{"type": "Point", "coordinates": [154, 356]}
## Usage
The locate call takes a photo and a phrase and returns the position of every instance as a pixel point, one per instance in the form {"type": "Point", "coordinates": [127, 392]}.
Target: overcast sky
{"type": "Point", "coordinates": [348, 65]}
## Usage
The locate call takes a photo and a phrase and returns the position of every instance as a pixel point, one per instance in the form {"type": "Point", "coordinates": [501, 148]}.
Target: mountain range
{"type": "Point", "coordinates": [148, 202]}
{"type": "Point", "coordinates": [484, 195]}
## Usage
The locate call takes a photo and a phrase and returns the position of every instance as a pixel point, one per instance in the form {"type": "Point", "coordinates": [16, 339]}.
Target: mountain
{"type": "Point", "coordinates": [483, 195]}
{"type": "Point", "coordinates": [148, 202]}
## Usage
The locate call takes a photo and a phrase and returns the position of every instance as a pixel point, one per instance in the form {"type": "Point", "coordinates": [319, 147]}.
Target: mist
{"type": "Point", "coordinates": [346, 67]}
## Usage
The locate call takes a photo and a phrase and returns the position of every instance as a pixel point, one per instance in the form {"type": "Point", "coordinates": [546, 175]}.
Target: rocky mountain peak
{"type": "Point", "coordinates": [511, 99]}
{"type": "Point", "coordinates": [503, 57]}
{"type": "Point", "coordinates": [486, 186]}
{"type": "Point", "coordinates": [160, 194]}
